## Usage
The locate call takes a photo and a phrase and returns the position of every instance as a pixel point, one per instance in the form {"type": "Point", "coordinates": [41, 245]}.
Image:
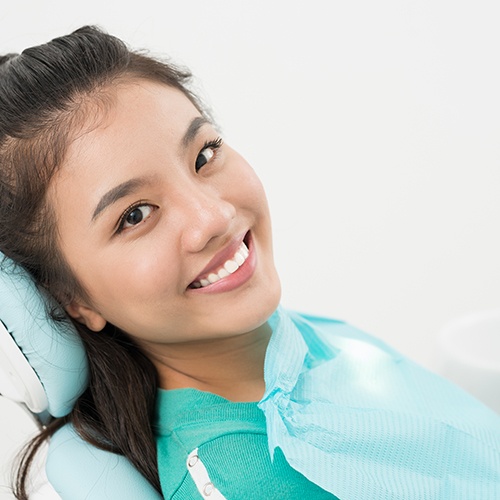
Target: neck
{"type": "Point", "coordinates": [230, 367]}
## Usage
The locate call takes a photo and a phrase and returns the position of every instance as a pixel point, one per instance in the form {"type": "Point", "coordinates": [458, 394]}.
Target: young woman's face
{"type": "Point", "coordinates": [166, 228]}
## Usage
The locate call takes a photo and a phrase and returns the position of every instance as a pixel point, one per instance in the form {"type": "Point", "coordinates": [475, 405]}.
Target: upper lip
{"type": "Point", "coordinates": [220, 258]}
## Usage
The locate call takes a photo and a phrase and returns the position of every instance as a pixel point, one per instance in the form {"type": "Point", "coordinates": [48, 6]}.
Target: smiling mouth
{"type": "Point", "coordinates": [229, 267]}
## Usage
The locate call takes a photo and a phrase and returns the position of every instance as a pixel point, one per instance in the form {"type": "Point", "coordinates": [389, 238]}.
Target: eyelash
{"type": "Point", "coordinates": [214, 145]}
{"type": "Point", "coordinates": [128, 211]}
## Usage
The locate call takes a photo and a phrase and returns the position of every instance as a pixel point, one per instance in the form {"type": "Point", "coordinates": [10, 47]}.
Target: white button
{"type": "Point", "coordinates": [193, 461]}
{"type": "Point", "coordinates": [208, 489]}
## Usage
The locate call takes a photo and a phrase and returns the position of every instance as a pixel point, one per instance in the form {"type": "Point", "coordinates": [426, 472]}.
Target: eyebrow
{"type": "Point", "coordinates": [116, 193]}
{"type": "Point", "coordinates": [193, 129]}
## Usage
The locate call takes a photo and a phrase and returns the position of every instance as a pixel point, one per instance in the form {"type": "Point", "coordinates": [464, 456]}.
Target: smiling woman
{"type": "Point", "coordinates": [173, 204]}
{"type": "Point", "coordinates": [122, 201]}
{"type": "Point", "coordinates": [154, 217]}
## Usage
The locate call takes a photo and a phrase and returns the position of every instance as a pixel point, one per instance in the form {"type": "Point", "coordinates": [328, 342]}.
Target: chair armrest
{"type": "Point", "coordinates": [77, 471]}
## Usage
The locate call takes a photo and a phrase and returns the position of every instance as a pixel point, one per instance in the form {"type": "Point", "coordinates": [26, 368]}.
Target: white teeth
{"type": "Point", "coordinates": [223, 273]}
{"type": "Point", "coordinates": [238, 257]}
{"type": "Point", "coordinates": [213, 278]}
{"type": "Point", "coordinates": [229, 267]}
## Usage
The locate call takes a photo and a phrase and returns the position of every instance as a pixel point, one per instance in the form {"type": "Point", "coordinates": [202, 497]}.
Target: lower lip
{"type": "Point", "coordinates": [234, 280]}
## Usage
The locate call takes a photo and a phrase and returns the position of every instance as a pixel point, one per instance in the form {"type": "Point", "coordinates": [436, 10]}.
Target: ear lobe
{"type": "Point", "coordinates": [86, 315]}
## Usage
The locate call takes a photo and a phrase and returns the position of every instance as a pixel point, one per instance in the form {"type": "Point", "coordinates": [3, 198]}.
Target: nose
{"type": "Point", "coordinates": [205, 217]}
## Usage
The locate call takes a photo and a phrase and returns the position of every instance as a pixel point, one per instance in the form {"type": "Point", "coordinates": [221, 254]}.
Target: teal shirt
{"type": "Point", "coordinates": [232, 444]}
{"type": "Point", "coordinates": [349, 414]}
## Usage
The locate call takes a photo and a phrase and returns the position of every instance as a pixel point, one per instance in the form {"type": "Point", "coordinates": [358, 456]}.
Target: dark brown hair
{"type": "Point", "coordinates": [44, 95]}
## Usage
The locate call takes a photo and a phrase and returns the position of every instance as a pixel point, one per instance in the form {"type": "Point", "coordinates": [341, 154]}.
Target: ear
{"type": "Point", "coordinates": [86, 315]}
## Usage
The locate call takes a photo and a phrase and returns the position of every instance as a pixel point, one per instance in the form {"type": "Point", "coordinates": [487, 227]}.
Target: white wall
{"type": "Point", "coordinates": [374, 126]}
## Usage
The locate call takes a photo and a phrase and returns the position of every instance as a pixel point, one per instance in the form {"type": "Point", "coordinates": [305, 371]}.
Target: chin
{"type": "Point", "coordinates": [258, 312]}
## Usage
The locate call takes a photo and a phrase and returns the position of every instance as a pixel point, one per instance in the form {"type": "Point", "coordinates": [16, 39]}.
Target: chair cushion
{"type": "Point", "coordinates": [52, 348]}
{"type": "Point", "coordinates": [79, 471]}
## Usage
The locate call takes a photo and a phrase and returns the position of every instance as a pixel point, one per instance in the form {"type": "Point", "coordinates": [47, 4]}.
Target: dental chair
{"type": "Point", "coordinates": [43, 367]}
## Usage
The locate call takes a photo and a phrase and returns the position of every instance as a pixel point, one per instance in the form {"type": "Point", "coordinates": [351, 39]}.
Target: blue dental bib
{"type": "Point", "coordinates": [364, 422]}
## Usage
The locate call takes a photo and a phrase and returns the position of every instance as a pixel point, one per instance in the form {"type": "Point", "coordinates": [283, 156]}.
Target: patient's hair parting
{"type": "Point", "coordinates": [47, 94]}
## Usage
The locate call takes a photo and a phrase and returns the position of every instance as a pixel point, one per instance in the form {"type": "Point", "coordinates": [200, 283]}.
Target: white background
{"type": "Point", "coordinates": [374, 126]}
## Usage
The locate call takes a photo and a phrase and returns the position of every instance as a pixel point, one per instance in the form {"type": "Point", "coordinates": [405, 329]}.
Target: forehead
{"type": "Point", "coordinates": [130, 107]}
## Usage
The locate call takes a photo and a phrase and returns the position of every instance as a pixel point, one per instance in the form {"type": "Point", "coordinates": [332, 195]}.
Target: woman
{"type": "Point", "coordinates": [120, 198]}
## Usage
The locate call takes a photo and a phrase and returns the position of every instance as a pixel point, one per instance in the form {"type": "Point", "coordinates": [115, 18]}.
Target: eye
{"type": "Point", "coordinates": [134, 215]}
{"type": "Point", "coordinates": [208, 151]}
{"type": "Point", "coordinates": [203, 158]}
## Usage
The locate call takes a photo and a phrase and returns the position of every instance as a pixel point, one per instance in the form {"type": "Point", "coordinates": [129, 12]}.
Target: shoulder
{"type": "Point", "coordinates": [239, 465]}
{"type": "Point", "coordinates": [225, 444]}
{"type": "Point", "coordinates": [314, 326]}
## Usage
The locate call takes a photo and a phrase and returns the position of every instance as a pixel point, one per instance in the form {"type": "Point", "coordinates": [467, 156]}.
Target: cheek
{"type": "Point", "coordinates": [139, 275]}
{"type": "Point", "coordinates": [149, 265]}
{"type": "Point", "coordinates": [249, 190]}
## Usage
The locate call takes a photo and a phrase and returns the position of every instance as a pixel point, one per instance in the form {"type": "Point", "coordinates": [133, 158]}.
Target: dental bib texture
{"type": "Point", "coordinates": [364, 422]}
